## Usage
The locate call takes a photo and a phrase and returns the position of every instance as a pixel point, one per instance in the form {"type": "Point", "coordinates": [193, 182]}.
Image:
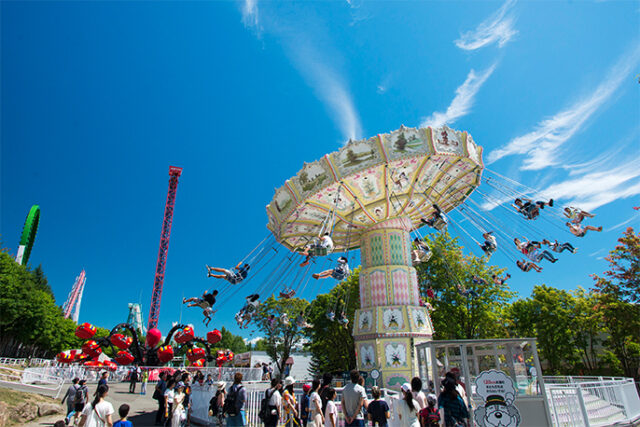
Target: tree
{"type": "Point", "coordinates": [331, 344]}
{"type": "Point", "coordinates": [230, 341]}
{"type": "Point", "coordinates": [618, 293]}
{"type": "Point", "coordinates": [587, 328]}
{"type": "Point", "coordinates": [548, 316]}
{"type": "Point", "coordinates": [31, 324]}
{"type": "Point", "coordinates": [281, 338]}
{"type": "Point", "coordinates": [457, 316]}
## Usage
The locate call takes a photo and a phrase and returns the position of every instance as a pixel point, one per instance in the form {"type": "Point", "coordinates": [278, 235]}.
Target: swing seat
{"type": "Point", "coordinates": [440, 225]}
{"type": "Point", "coordinates": [319, 251]}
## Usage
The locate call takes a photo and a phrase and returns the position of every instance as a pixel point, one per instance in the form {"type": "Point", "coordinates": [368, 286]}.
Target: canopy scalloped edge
{"type": "Point", "coordinates": [401, 173]}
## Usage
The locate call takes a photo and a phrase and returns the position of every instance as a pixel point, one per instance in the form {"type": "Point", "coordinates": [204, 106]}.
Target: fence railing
{"type": "Point", "coordinates": [592, 402]}
{"type": "Point", "coordinates": [201, 396]}
{"type": "Point", "coordinates": [37, 382]}
{"type": "Point", "coordinates": [12, 361]}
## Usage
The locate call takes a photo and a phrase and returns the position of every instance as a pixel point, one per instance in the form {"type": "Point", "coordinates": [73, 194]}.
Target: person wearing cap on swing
{"type": "Point", "coordinates": [339, 272]}
{"type": "Point", "coordinates": [233, 277]}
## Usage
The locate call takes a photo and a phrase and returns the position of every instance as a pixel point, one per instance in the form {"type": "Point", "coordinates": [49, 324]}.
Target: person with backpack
{"type": "Point", "coordinates": [217, 403]}
{"type": "Point", "coordinates": [234, 404]}
{"type": "Point", "coordinates": [271, 404]}
{"type": "Point", "coordinates": [430, 415]}
{"type": "Point", "coordinates": [80, 399]}
{"type": "Point", "coordinates": [378, 410]}
{"type": "Point", "coordinates": [452, 405]}
{"type": "Point", "coordinates": [70, 398]}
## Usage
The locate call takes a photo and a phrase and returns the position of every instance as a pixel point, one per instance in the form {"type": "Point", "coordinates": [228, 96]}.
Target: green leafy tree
{"type": "Point", "coordinates": [230, 341]}
{"type": "Point", "coordinates": [587, 328]}
{"type": "Point", "coordinates": [281, 338]}
{"type": "Point", "coordinates": [548, 316]}
{"type": "Point", "coordinates": [447, 273]}
{"type": "Point", "coordinates": [618, 293]}
{"type": "Point", "coordinates": [331, 344]}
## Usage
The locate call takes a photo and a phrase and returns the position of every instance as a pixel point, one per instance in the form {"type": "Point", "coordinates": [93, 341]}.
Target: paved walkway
{"type": "Point", "coordinates": [142, 412]}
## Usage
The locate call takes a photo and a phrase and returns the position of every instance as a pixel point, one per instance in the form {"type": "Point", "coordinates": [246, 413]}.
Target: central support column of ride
{"type": "Point", "coordinates": [390, 321]}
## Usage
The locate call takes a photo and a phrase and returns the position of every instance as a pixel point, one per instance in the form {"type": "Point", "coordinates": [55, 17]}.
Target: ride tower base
{"type": "Point", "coordinates": [390, 321]}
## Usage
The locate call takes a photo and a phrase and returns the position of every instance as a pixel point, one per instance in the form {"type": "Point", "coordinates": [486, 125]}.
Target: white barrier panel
{"type": "Point", "coordinates": [593, 403]}
{"type": "Point", "coordinates": [31, 381]}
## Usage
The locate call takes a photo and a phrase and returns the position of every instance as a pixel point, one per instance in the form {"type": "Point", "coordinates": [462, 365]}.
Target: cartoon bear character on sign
{"type": "Point", "coordinates": [498, 392]}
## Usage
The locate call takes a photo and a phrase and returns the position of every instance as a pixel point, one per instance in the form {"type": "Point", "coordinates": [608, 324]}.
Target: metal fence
{"type": "Point", "coordinates": [592, 402]}
{"type": "Point", "coordinates": [22, 380]}
{"type": "Point", "coordinates": [201, 396]}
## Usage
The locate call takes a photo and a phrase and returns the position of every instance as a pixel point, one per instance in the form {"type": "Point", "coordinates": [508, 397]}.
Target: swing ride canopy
{"type": "Point", "coordinates": [398, 174]}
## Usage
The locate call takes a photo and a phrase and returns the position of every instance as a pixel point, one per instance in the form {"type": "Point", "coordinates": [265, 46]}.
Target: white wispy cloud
{"type": "Point", "coordinates": [250, 14]}
{"type": "Point", "coordinates": [599, 188]}
{"type": "Point", "coordinates": [328, 86]}
{"type": "Point", "coordinates": [634, 217]}
{"type": "Point", "coordinates": [542, 145]}
{"type": "Point", "coordinates": [327, 83]}
{"type": "Point", "coordinates": [496, 28]}
{"type": "Point", "coordinates": [462, 102]}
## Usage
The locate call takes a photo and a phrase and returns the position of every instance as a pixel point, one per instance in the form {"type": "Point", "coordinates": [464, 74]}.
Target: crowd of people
{"type": "Point", "coordinates": [318, 404]}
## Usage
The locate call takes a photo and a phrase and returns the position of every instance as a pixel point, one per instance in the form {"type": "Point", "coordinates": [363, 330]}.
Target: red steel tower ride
{"type": "Point", "coordinates": [156, 295]}
{"type": "Point", "coordinates": [71, 307]}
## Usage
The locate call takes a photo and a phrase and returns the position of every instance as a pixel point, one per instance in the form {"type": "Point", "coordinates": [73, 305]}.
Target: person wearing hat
{"type": "Point", "coordinates": [179, 414]}
{"type": "Point", "coordinates": [217, 402]}
{"type": "Point", "coordinates": [303, 411]}
{"type": "Point", "coordinates": [290, 405]}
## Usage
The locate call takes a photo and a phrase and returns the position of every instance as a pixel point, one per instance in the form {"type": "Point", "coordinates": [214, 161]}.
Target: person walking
{"type": "Point", "coordinates": [98, 412]}
{"type": "Point", "coordinates": [69, 396]}
{"type": "Point", "coordinates": [234, 404]}
{"type": "Point", "coordinates": [315, 405]}
{"type": "Point", "coordinates": [144, 379]}
{"type": "Point", "coordinates": [80, 399]}
{"type": "Point", "coordinates": [354, 398]}
{"type": "Point", "coordinates": [133, 380]}
{"type": "Point", "coordinates": [408, 408]}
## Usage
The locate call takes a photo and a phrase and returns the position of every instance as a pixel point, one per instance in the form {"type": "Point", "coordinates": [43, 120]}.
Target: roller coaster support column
{"type": "Point", "coordinates": [156, 295]}
{"type": "Point", "coordinates": [390, 321]}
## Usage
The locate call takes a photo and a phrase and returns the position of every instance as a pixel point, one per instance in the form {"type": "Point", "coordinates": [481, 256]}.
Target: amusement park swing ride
{"type": "Point", "coordinates": [372, 195]}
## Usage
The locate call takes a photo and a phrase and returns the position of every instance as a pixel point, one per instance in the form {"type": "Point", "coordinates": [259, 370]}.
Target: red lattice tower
{"type": "Point", "coordinates": [72, 304]}
{"type": "Point", "coordinates": [156, 295]}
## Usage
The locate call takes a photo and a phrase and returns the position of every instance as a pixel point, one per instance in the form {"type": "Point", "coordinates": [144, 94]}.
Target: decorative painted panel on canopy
{"type": "Point", "coordinates": [402, 173]}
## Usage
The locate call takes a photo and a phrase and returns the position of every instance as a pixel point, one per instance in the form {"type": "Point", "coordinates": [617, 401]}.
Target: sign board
{"type": "Point", "coordinates": [498, 391]}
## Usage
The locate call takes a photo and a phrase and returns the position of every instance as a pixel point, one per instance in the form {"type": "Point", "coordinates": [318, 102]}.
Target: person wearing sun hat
{"type": "Point", "coordinates": [289, 403]}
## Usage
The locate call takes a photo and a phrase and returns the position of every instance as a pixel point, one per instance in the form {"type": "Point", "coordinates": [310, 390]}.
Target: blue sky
{"type": "Point", "coordinates": [99, 98]}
